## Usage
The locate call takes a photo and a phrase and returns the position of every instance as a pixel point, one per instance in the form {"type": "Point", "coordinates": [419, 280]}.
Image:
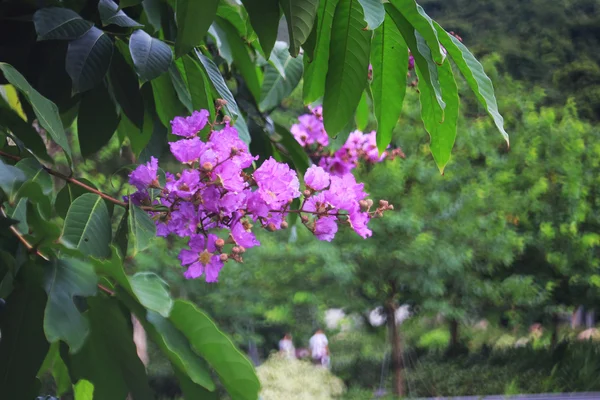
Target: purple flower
{"type": "Point", "coordinates": [187, 150]}
{"type": "Point", "coordinates": [256, 205]}
{"type": "Point", "coordinates": [411, 62]}
{"type": "Point", "coordinates": [189, 126]}
{"type": "Point", "coordinates": [277, 183]}
{"type": "Point", "coordinates": [226, 143]}
{"type": "Point", "coordinates": [229, 175]}
{"type": "Point", "coordinates": [144, 175]}
{"type": "Point", "coordinates": [345, 193]}
{"type": "Point", "coordinates": [326, 228]}
{"type": "Point", "coordinates": [318, 204]}
{"type": "Point", "coordinates": [201, 258]}
{"type": "Point", "coordinates": [231, 202]}
{"type": "Point", "coordinates": [358, 222]}
{"type": "Point", "coordinates": [187, 184]}
{"type": "Point", "coordinates": [184, 220]}
{"type": "Point", "coordinates": [243, 237]}
{"type": "Point", "coordinates": [310, 129]}
{"type": "Point", "coordinates": [316, 178]}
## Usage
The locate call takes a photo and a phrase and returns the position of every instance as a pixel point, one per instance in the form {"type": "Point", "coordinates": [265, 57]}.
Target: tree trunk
{"type": "Point", "coordinates": [454, 335]}
{"type": "Point", "coordinates": [396, 342]}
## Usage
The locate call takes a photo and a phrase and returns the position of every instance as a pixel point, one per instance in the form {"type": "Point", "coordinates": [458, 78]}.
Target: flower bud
{"type": "Point", "coordinates": [207, 166]}
{"type": "Point", "coordinates": [236, 250]}
{"type": "Point", "coordinates": [369, 203]}
{"type": "Point", "coordinates": [242, 249]}
{"type": "Point", "coordinates": [271, 227]}
{"type": "Point", "coordinates": [223, 257]}
{"type": "Point", "coordinates": [307, 192]}
{"type": "Point", "coordinates": [220, 103]}
{"type": "Point", "coordinates": [391, 207]}
{"type": "Point", "coordinates": [284, 225]}
{"type": "Point", "coordinates": [383, 203]}
{"type": "Point", "coordinates": [304, 218]}
{"type": "Point", "coordinates": [227, 118]}
{"type": "Point", "coordinates": [363, 205]}
{"type": "Point", "coordinates": [219, 243]}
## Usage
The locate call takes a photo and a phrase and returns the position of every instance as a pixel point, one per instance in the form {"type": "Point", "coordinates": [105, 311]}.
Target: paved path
{"type": "Point", "coordinates": [550, 396]}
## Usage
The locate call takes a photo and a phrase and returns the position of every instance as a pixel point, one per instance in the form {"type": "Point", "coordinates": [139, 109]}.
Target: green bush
{"type": "Point", "coordinates": [436, 339]}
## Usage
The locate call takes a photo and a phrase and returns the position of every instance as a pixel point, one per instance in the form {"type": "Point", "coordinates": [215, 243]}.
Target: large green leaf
{"type": "Point", "coordinates": [141, 228]}
{"type": "Point", "coordinates": [191, 390]}
{"type": "Point", "coordinates": [23, 345]}
{"type": "Point", "coordinates": [109, 358]}
{"type": "Point", "coordinates": [441, 124]}
{"type": "Point", "coordinates": [389, 57]}
{"type": "Point", "coordinates": [315, 68]}
{"type": "Point", "coordinates": [234, 369]}
{"type": "Point", "coordinates": [167, 102]}
{"type": "Point", "coordinates": [151, 57]}
{"type": "Point", "coordinates": [87, 226]}
{"type": "Point", "coordinates": [474, 74]}
{"type": "Point", "coordinates": [421, 22]}
{"type": "Point", "coordinates": [243, 62]}
{"type": "Point", "coordinates": [296, 152]}
{"type": "Point", "coordinates": [97, 120]}
{"type": "Point", "coordinates": [264, 16]}
{"type": "Point", "coordinates": [67, 195]}
{"type": "Point", "coordinates": [59, 23]}
{"type": "Point", "coordinates": [88, 59]}
{"type": "Point", "coordinates": [111, 15]}
{"type": "Point", "coordinates": [23, 131]}
{"type": "Point", "coordinates": [276, 87]}
{"type": "Point", "coordinates": [300, 16]}
{"type": "Point", "coordinates": [63, 280]}
{"type": "Point", "coordinates": [9, 177]}
{"type": "Point", "coordinates": [348, 66]}
{"type": "Point", "coordinates": [54, 364]}
{"type": "Point", "coordinates": [45, 110]}
{"type": "Point", "coordinates": [374, 13]}
{"type": "Point", "coordinates": [125, 86]}
{"type": "Point", "coordinates": [152, 292]}
{"type": "Point", "coordinates": [219, 83]}
{"type": "Point", "coordinates": [35, 172]}
{"type": "Point", "coordinates": [178, 79]}
{"type": "Point", "coordinates": [193, 20]}
{"type": "Point", "coordinates": [362, 113]}
{"type": "Point", "coordinates": [199, 86]}
{"type": "Point", "coordinates": [220, 38]}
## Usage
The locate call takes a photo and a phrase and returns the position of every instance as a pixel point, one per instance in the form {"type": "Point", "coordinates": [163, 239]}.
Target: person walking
{"type": "Point", "coordinates": [319, 348]}
{"type": "Point", "coordinates": [286, 346]}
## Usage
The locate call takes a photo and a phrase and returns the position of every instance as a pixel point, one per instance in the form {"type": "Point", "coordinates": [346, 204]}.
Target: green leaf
{"type": "Point", "coordinates": [199, 86]}
{"type": "Point", "coordinates": [97, 120]}
{"type": "Point", "coordinates": [35, 172]}
{"type": "Point", "coordinates": [244, 64]}
{"type": "Point", "coordinates": [129, 3]}
{"type": "Point", "coordinates": [296, 152]}
{"type": "Point", "coordinates": [9, 177]}
{"type": "Point", "coordinates": [83, 390]}
{"type": "Point", "coordinates": [219, 83]}
{"type": "Point", "coordinates": [242, 128]}
{"type": "Point", "coordinates": [63, 280]}
{"type": "Point", "coordinates": [362, 113]}
{"type": "Point", "coordinates": [87, 226]}
{"type": "Point", "coordinates": [141, 228]}
{"type": "Point", "coordinates": [441, 124]}
{"type": "Point", "coordinates": [151, 57]}
{"type": "Point", "coordinates": [167, 103]}
{"type": "Point", "coordinates": [67, 195]}
{"type": "Point", "coordinates": [191, 390]}
{"type": "Point", "coordinates": [152, 292]}
{"type": "Point", "coordinates": [220, 38]}
{"type": "Point", "coordinates": [121, 238]}
{"type": "Point", "coordinates": [111, 14]}
{"type": "Point", "coordinates": [315, 70]}
{"type": "Point", "coordinates": [300, 16]}
{"type": "Point", "coordinates": [264, 17]}
{"type": "Point", "coordinates": [88, 59]}
{"type": "Point", "coordinates": [20, 214]}
{"type": "Point", "coordinates": [181, 87]}
{"type": "Point", "coordinates": [109, 358]}
{"type": "Point", "coordinates": [234, 369]}
{"type": "Point", "coordinates": [23, 132]}
{"type": "Point", "coordinates": [421, 22]}
{"type": "Point", "coordinates": [193, 20]}
{"type": "Point", "coordinates": [59, 23]}
{"type": "Point", "coordinates": [125, 86]}
{"type": "Point", "coordinates": [348, 66]}
{"type": "Point", "coordinates": [276, 87]}
{"type": "Point", "coordinates": [23, 334]}
{"type": "Point", "coordinates": [8, 269]}
{"type": "Point", "coordinates": [389, 57]}
{"type": "Point", "coordinates": [45, 110]}
{"type": "Point", "coordinates": [474, 74]}
{"type": "Point", "coordinates": [54, 364]}
{"type": "Point", "coordinates": [374, 13]}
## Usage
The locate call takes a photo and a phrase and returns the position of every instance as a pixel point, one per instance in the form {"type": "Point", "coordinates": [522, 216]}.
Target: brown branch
{"type": "Point", "coordinates": [78, 183]}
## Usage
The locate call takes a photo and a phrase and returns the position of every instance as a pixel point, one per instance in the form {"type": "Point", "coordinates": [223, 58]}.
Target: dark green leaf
{"type": "Point", "coordinates": [141, 228]}
{"type": "Point", "coordinates": [389, 57]}
{"type": "Point", "coordinates": [125, 86]}
{"type": "Point", "coordinates": [362, 113]}
{"type": "Point", "coordinates": [219, 83]}
{"type": "Point", "coordinates": [193, 20]}
{"type": "Point", "coordinates": [167, 103]}
{"type": "Point", "coordinates": [300, 16]}
{"type": "Point", "coordinates": [20, 214]}
{"type": "Point", "coordinates": [97, 120]}
{"type": "Point", "coordinates": [421, 22]}
{"type": "Point", "coordinates": [234, 369]}
{"type": "Point", "coordinates": [181, 87]}
{"type": "Point", "coordinates": [59, 23]}
{"type": "Point", "coordinates": [296, 152]}
{"type": "Point", "coordinates": [128, 3]}
{"type": "Point", "coordinates": [264, 16]}
{"type": "Point", "coordinates": [35, 172]}
{"type": "Point", "coordinates": [8, 269]}
{"type": "Point", "coordinates": [23, 131]}
{"type": "Point", "coordinates": [152, 292]}
{"type": "Point", "coordinates": [68, 194]}
{"type": "Point", "coordinates": [45, 110]}
{"type": "Point", "coordinates": [23, 334]}
{"type": "Point", "coordinates": [121, 239]}
{"type": "Point", "coordinates": [63, 280]}
{"type": "Point", "coordinates": [242, 128]}
{"type": "Point", "coordinates": [348, 66]}
{"type": "Point", "coordinates": [151, 57]}
{"type": "Point", "coordinates": [199, 86]}
{"type": "Point", "coordinates": [374, 13]}
{"type": "Point", "coordinates": [109, 358]}
{"type": "Point", "coordinates": [190, 389]}
{"type": "Point", "coordinates": [88, 59]}
{"type": "Point", "coordinates": [153, 10]}
{"type": "Point", "coordinates": [474, 74]}
{"type": "Point", "coordinates": [220, 38]}
{"type": "Point", "coordinates": [441, 125]}
{"type": "Point", "coordinates": [54, 364]}
{"type": "Point", "coordinates": [9, 177]}
{"type": "Point", "coordinates": [276, 87]}
{"type": "Point", "coordinates": [111, 14]}
{"type": "Point", "coordinates": [315, 71]}
{"type": "Point", "coordinates": [87, 226]}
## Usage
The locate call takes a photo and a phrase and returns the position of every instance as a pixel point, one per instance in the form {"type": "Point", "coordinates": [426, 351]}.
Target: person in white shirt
{"type": "Point", "coordinates": [319, 348]}
{"type": "Point", "coordinates": [286, 346]}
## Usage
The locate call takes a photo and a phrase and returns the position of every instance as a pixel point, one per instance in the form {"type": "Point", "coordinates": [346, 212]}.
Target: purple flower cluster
{"type": "Point", "coordinates": [217, 198]}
